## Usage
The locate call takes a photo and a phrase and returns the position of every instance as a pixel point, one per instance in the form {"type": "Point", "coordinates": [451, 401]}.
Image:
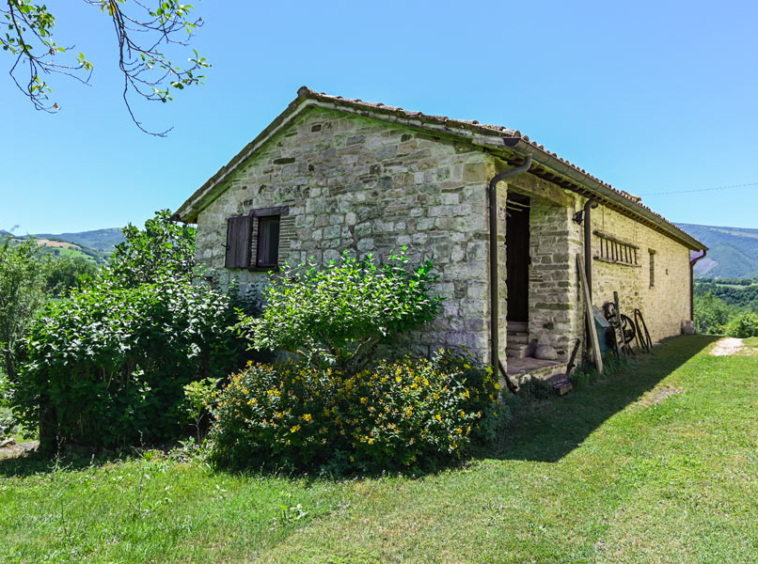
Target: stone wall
{"type": "Point", "coordinates": [665, 304]}
{"type": "Point", "coordinates": [368, 186]}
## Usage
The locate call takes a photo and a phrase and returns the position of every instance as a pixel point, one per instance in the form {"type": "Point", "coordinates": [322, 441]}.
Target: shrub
{"type": "Point", "coordinates": [743, 325]}
{"type": "Point", "coordinates": [711, 314]}
{"type": "Point", "coordinates": [68, 273]}
{"type": "Point", "coordinates": [107, 366]}
{"type": "Point", "coordinates": [164, 247]}
{"type": "Point", "coordinates": [407, 413]}
{"type": "Point", "coordinates": [338, 314]}
{"type": "Point", "coordinates": [198, 396]}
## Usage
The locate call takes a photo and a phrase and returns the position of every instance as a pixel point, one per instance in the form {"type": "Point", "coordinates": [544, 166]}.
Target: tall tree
{"type": "Point", "coordinates": [22, 293]}
{"type": "Point", "coordinates": [143, 34]}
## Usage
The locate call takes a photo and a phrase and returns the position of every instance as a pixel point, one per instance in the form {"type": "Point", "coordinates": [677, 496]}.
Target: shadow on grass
{"type": "Point", "coordinates": [549, 430]}
{"type": "Point", "coordinates": [543, 431]}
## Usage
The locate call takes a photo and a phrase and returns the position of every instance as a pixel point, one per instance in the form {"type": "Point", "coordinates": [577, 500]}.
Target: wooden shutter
{"type": "Point", "coordinates": [268, 242]}
{"type": "Point", "coordinates": [239, 232]}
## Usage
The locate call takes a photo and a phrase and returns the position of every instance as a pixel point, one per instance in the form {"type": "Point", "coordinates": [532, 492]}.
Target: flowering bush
{"type": "Point", "coordinates": [407, 413]}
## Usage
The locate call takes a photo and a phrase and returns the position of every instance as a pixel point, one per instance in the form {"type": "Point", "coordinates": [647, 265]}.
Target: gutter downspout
{"type": "Point", "coordinates": [692, 284]}
{"type": "Point", "coordinates": [587, 219]}
{"type": "Point", "coordinates": [494, 309]}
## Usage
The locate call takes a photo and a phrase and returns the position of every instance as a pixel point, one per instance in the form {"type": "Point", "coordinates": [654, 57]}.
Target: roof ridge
{"type": "Point", "coordinates": [495, 137]}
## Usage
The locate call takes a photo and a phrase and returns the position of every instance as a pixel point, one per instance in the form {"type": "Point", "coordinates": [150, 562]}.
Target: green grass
{"type": "Point", "coordinates": [657, 463]}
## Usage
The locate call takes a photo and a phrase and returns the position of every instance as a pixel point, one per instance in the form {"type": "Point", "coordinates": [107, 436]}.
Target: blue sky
{"type": "Point", "coordinates": [649, 96]}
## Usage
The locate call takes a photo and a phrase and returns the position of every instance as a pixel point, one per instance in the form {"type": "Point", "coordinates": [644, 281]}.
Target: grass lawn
{"type": "Point", "coordinates": [655, 464]}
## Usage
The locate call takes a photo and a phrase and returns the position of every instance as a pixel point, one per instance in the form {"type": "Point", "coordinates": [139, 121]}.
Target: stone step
{"type": "Point", "coordinates": [518, 338]}
{"type": "Point", "coordinates": [542, 373]}
{"type": "Point", "coordinates": [515, 350]}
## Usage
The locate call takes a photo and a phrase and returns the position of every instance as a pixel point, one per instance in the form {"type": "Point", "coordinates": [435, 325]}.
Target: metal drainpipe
{"type": "Point", "coordinates": [692, 284]}
{"type": "Point", "coordinates": [494, 327]}
{"type": "Point", "coordinates": [587, 218]}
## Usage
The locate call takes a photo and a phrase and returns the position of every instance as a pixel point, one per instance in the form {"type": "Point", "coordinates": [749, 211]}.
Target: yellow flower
{"type": "Point", "coordinates": [459, 431]}
{"type": "Point", "coordinates": [371, 441]}
{"type": "Point", "coordinates": [308, 417]}
{"type": "Point", "coordinates": [497, 386]}
{"type": "Point", "coordinates": [438, 417]}
{"type": "Point", "coordinates": [295, 429]}
{"type": "Point", "coordinates": [426, 382]}
{"type": "Point", "coordinates": [383, 380]}
{"type": "Point", "coordinates": [246, 392]}
{"type": "Point", "coordinates": [364, 400]}
{"type": "Point", "coordinates": [463, 413]}
{"type": "Point", "coordinates": [409, 411]}
{"type": "Point", "coordinates": [398, 379]}
{"type": "Point", "coordinates": [436, 396]}
{"type": "Point", "coordinates": [352, 459]}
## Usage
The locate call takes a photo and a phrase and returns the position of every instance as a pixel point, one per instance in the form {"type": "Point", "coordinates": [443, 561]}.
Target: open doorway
{"type": "Point", "coordinates": [518, 260]}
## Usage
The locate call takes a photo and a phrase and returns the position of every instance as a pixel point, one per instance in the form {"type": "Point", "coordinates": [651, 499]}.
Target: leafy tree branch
{"type": "Point", "coordinates": [144, 34]}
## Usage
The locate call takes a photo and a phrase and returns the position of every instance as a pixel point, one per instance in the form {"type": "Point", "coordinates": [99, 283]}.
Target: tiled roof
{"type": "Point", "coordinates": [499, 138]}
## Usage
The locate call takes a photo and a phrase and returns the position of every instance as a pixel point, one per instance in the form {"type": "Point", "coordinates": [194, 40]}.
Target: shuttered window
{"type": "Point", "coordinates": [267, 254]}
{"type": "Point", "coordinates": [239, 233]}
{"type": "Point", "coordinates": [652, 267]}
{"type": "Point", "coordinates": [258, 231]}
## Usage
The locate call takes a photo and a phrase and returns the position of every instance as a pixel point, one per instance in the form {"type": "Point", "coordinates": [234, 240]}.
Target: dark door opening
{"type": "Point", "coordinates": [517, 256]}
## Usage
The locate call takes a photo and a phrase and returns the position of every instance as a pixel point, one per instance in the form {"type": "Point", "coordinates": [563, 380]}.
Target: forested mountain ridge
{"type": "Point", "coordinates": [733, 251]}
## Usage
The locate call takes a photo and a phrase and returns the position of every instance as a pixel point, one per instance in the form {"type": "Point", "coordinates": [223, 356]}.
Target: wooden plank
{"type": "Point", "coordinates": [619, 328]}
{"type": "Point", "coordinates": [589, 315]}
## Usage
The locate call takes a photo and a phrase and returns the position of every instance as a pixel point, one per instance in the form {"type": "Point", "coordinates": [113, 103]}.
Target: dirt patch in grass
{"type": "Point", "coordinates": [657, 395]}
{"type": "Point", "coordinates": [727, 347]}
{"type": "Point", "coordinates": [18, 448]}
{"type": "Point", "coordinates": [750, 347]}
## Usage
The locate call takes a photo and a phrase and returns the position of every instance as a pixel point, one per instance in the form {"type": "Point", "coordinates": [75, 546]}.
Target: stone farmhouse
{"type": "Point", "coordinates": [503, 218]}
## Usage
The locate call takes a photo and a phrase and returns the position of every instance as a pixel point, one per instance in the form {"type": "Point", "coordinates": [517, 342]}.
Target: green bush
{"type": "Point", "coordinates": [163, 248]}
{"type": "Point", "coordinates": [407, 413]}
{"type": "Point", "coordinates": [107, 366]}
{"type": "Point", "coordinates": [743, 325]}
{"type": "Point", "coordinates": [338, 314]}
{"type": "Point", "coordinates": [68, 273]}
{"type": "Point", "coordinates": [711, 314]}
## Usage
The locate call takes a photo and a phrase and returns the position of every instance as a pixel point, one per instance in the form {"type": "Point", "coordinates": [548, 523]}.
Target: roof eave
{"type": "Point", "coordinates": [602, 191]}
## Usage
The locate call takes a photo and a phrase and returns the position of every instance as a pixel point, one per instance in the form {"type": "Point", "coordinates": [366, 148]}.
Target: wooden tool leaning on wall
{"type": "Point", "coordinates": [589, 315]}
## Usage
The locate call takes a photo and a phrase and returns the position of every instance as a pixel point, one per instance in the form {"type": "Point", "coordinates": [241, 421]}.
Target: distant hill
{"type": "Point", "coordinates": [99, 239]}
{"type": "Point", "coordinates": [95, 246]}
{"type": "Point", "coordinates": [733, 251]}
